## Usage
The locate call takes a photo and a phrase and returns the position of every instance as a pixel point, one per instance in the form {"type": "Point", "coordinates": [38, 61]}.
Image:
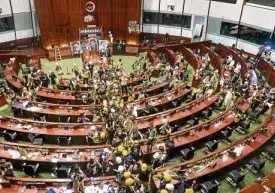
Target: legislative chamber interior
{"type": "Point", "coordinates": [137, 96]}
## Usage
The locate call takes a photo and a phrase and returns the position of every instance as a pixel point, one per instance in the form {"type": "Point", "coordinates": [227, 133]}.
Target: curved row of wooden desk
{"type": "Point", "coordinates": [190, 135]}
{"type": "Point", "coordinates": [163, 99]}
{"type": "Point", "coordinates": [64, 84]}
{"type": "Point", "coordinates": [220, 158]}
{"type": "Point", "coordinates": [14, 66]}
{"type": "Point", "coordinates": [81, 130]}
{"type": "Point", "coordinates": [225, 51]}
{"type": "Point", "coordinates": [48, 158]}
{"type": "Point", "coordinates": [175, 114]}
{"type": "Point", "coordinates": [51, 95]}
{"type": "Point", "coordinates": [50, 131]}
{"type": "Point", "coordinates": [202, 130]}
{"type": "Point", "coordinates": [57, 183]}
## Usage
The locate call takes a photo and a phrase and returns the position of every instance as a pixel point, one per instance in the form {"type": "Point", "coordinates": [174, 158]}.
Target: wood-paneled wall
{"type": "Point", "coordinates": [60, 20]}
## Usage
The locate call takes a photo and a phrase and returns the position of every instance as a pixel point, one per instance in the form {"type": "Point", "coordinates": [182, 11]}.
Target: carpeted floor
{"type": "Point", "coordinates": [6, 110]}
{"type": "Point", "coordinates": [67, 64]}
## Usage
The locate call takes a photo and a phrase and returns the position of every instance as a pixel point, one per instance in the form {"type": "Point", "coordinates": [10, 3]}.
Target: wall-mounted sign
{"type": "Point", "coordinates": [90, 30]}
{"type": "Point", "coordinates": [90, 6]}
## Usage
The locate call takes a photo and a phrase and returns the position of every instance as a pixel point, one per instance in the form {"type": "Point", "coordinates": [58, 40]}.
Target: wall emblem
{"type": "Point", "coordinates": [88, 18]}
{"type": "Point", "coordinates": [90, 6]}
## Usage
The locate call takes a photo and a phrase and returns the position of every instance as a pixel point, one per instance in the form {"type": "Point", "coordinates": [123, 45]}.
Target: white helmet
{"type": "Point", "coordinates": [118, 160]}
{"type": "Point", "coordinates": [156, 155]}
{"type": "Point", "coordinates": [170, 186]}
{"type": "Point", "coordinates": [106, 150]}
{"type": "Point", "coordinates": [120, 168]}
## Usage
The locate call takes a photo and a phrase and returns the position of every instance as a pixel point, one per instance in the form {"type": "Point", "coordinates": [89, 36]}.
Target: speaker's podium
{"type": "Point", "coordinates": [118, 48]}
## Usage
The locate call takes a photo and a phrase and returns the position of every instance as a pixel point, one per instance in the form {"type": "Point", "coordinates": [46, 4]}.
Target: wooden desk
{"type": "Point", "coordinates": [202, 130]}
{"type": "Point", "coordinates": [52, 111]}
{"type": "Point", "coordinates": [63, 84]}
{"type": "Point", "coordinates": [225, 51]}
{"type": "Point", "coordinates": [80, 131]}
{"type": "Point", "coordinates": [55, 148]}
{"type": "Point", "coordinates": [175, 114]}
{"type": "Point", "coordinates": [15, 84]}
{"type": "Point", "coordinates": [2, 100]}
{"type": "Point", "coordinates": [13, 66]}
{"type": "Point", "coordinates": [268, 72]}
{"type": "Point", "coordinates": [154, 59]}
{"type": "Point", "coordinates": [50, 131]}
{"type": "Point", "coordinates": [248, 149]}
{"type": "Point", "coordinates": [164, 99]}
{"type": "Point", "coordinates": [258, 187]}
{"type": "Point", "coordinates": [191, 58]}
{"type": "Point", "coordinates": [65, 52]}
{"type": "Point", "coordinates": [51, 95]}
{"type": "Point", "coordinates": [57, 182]}
{"type": "Point", "coordinates": [51, 159]}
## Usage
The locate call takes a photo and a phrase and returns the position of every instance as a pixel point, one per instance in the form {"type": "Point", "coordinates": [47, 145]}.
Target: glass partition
{"type": "Point", "coordinates": [270, 3]}
{"type": "Point", "coordinates": [187, 21]}
{"type": "Point", "coordinates": [6, 24]}
{"type": "Point", "coordinates": [229, 29]}
{"type": "Point", "coordinates": [150, 17]}
{"type": "Point", "coordinates": [170, 19]}
{"type": "Point", "coordinates": [254, 35]}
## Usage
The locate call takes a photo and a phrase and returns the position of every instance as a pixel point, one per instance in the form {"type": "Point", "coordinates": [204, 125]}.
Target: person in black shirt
{"type": "Point", "coordinates": [52, 78]}
{"type": "Point", "coordinates": [100, 72]}
{"type": "Point", "coordinates": [93, 169]}
{"type": "Point", "coordinates": [45, 80]}
{"type": "Point", "coordinates": [149, 109]}
{"type": "Point", "coordinates": [144, 175]}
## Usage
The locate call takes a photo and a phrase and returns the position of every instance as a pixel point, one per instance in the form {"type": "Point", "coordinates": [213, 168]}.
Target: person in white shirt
{"type": "Point", "coordinates": [228, 99]}
{"type": "Point", "coordinates": [232, 64]}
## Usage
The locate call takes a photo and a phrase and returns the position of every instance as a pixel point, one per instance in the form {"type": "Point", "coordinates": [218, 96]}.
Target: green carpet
{"type": "Point", "coordinates": [6, 110]}
{"type": "Point", "coordinates": [67, 64]}
{"type": "Point", "coordinates": [44, 175]}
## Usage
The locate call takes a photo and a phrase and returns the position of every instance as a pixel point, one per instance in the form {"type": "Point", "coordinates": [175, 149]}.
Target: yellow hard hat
{"type": "Point", "coordinates": [163, 191]}
{"type": "Point", "coordinates": [127, 174]}
{"type": "Point", "coordinates": [189, 190]}
{"type": "Point", "coordinates": [102, 135]}
{"type": "Point", "coordinates": [144, 167]}
{"type": "Point", "coordinates": [136, 142]}
{"type": "Point", "coordinates": [124, 152]}
{"type": "Point", "coordinates": [120, 148]}
{"type": "Point", "coordinates": [167, 178]}
{"type": "Point", "coordinates": [129, 182]}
